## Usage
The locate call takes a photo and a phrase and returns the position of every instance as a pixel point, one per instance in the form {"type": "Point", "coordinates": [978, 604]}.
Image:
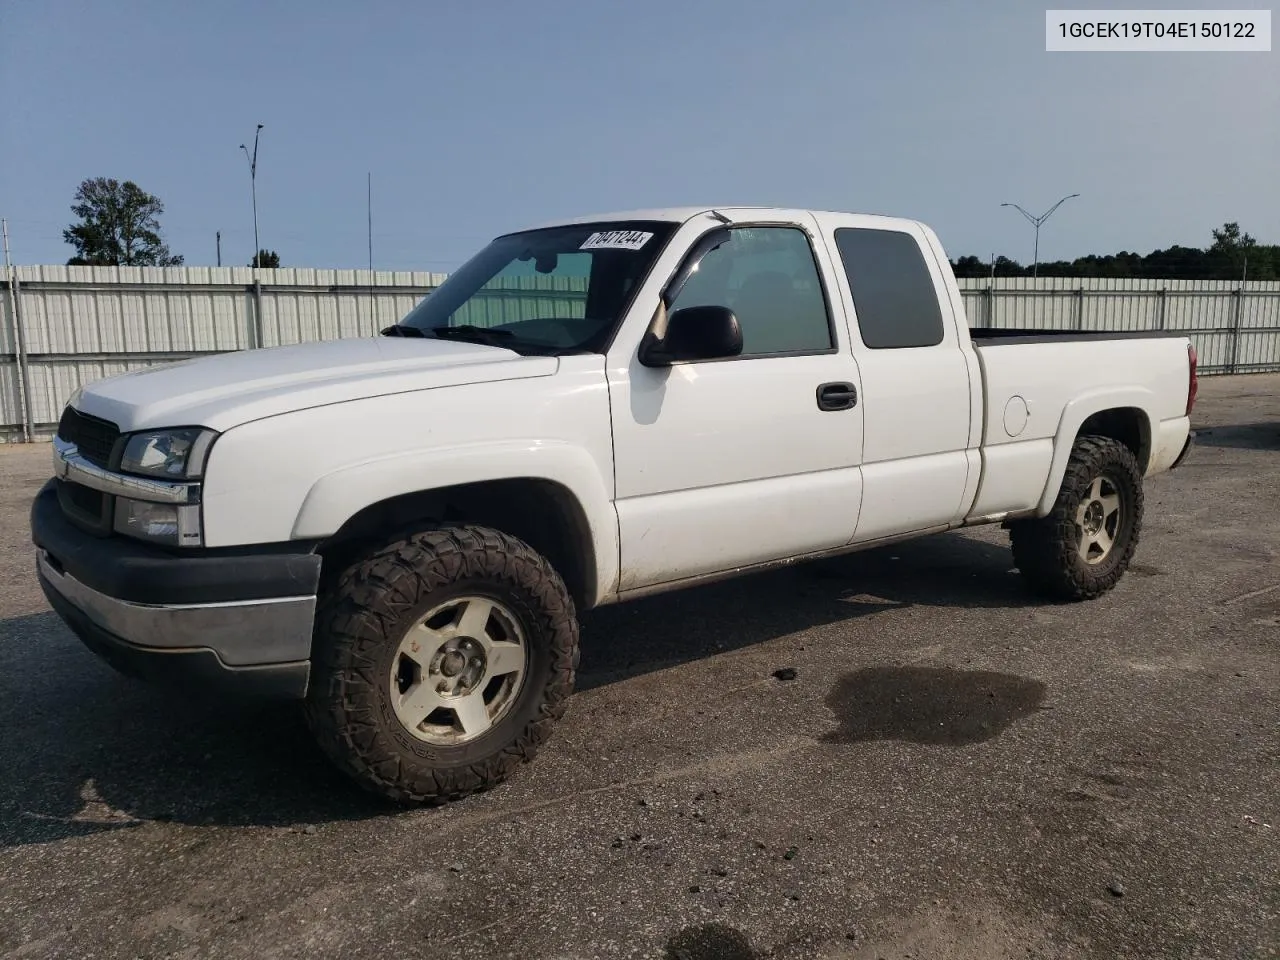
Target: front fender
{"type": "Point", "coordinates": [338, 496]}
{"type": "Point", "coordinates": [1073, 417]}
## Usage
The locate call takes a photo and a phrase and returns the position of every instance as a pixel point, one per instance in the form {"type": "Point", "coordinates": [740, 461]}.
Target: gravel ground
{"type": "Point", "coordinates": [955, 770]}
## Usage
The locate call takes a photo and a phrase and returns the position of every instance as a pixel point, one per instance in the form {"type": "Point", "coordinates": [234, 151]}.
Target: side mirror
{"type": "Point", "coordinates": [694, 333]}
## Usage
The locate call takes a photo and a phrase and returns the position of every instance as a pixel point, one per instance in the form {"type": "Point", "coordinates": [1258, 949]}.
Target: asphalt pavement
{"type": "Point", "coordinates": [954, 770]}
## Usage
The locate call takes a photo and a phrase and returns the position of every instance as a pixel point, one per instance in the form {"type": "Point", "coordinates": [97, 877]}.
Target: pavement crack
{"type": "Point", "coordinates": [1241, 598]}
{"type": "Point", "coordinates": [731, 763]}
{"type": "Point", "coordinates": [468, 933]}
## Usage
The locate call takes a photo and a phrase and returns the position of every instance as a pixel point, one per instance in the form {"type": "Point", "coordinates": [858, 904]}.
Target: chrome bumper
{"type": "Point", "coordinates": [68, 464]}
{"type": "Point", "coordinates": [241, 634]}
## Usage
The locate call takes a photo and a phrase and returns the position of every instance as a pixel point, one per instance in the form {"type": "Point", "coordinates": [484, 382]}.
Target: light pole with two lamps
{"type": "Point", "coordinates": [1036, 221]}
{"type": "Point", "coordinates": [253, 187]}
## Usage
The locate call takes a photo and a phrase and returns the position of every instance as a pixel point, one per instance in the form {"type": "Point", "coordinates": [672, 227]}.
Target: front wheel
{"type": "Point", "coordinates": [441, 663]}
{"type": "Point", "coordinates": [1083, 547]}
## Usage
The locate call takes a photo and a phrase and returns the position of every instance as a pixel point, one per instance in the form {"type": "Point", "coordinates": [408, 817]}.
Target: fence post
{"type": "Point", "coordinates": [1079, 308]}
{"type": "Point", "coordinates": [1163, 310]}
{"type": "Point", "coordinates": [257, 312]}
{"type": "Point", "coordinates": [19, 341]}
{"type": "Point", "coordinates": [1236, 322]}
{"type": "Point", "coordinates": [991, 306]}
{"type": "Point", "coordinates": [24, 368]}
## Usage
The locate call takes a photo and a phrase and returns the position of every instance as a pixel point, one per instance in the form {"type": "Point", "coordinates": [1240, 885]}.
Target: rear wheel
{"type": "Point", "coordinates": [441, 663]}
{"type": "Point", "coordinates": [1083, 547]}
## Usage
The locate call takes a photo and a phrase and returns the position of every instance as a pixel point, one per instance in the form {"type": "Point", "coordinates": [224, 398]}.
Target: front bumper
{"type": "Point", "coordinates": [239, 621]}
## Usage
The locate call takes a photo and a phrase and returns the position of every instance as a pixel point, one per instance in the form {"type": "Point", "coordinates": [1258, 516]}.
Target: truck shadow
{"type": "Point", "coordinates": [88, 751]}
{"type": "Point", "coordinates": [949, 570]}
{"type": "Point", "coordinates": [1244, 436]}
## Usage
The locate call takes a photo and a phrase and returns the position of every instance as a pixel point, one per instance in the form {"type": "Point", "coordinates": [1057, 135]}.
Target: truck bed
{"type": "Point", "coordinates": [1041, 385]}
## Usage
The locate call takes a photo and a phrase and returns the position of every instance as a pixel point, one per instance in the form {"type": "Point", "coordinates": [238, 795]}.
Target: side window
{"type": "Point", "coordinates": [893, 293]}
{"type": "Point", "coordinates": [768, 277]}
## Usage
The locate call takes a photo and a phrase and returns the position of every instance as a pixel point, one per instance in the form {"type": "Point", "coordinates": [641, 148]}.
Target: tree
{"type": "Point", "coordinates": [1009, 268]}
{"type": "Point", "coordinates": [1230, 251]}
{"type": "Point", "coordinates": [265, 259]}
{"type": "Point", "coordinates": [119, 226]}
{"type": "Point", "coordinates": [970, 266]}
{"type": "Point", "coordinates": [1230, 238]}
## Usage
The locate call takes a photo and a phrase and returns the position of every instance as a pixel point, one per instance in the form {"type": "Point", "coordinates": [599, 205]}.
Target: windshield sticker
{"type": "Point", "coordinates": [616, 240]}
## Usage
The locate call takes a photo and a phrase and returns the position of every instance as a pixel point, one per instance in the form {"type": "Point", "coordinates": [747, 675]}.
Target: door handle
{"type": "Point", "coordinates": [837, 396]}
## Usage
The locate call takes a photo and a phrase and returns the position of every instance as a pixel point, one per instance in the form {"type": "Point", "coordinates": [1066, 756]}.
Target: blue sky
{"type": "Point", "coordinates": [484, 116]}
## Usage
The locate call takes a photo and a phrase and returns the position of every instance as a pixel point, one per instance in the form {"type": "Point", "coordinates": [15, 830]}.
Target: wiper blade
{"type": "Point", "coordinates": [402, 330]}
{"type": "Point", "coordinates": [470, 332]}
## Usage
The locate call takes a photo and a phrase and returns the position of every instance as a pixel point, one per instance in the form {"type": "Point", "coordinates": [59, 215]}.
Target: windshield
{"type": "Point", "coordinates": [558, 290]}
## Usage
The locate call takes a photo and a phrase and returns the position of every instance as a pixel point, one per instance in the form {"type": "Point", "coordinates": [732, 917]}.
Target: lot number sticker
{"type": "Point", "coordinates": [616, 240]}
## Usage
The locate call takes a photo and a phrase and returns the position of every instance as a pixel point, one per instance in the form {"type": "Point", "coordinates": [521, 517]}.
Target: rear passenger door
{"type": "Point", "coordinates": [917, 383]}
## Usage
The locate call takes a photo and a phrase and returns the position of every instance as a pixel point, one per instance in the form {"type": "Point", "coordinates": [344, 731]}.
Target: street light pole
{"type": "Point", "coordinates": [253, 189]}
{"type": "Point", "coordinates": [1035, 222]}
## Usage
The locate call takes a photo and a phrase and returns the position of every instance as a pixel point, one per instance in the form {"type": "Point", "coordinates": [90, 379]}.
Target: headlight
{"type": "Point", "coordinates": [172, 454]}
{"type": "Point", "coordinates": [177, 525]}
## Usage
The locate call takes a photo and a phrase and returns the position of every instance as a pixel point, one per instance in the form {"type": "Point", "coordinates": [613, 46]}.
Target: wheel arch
{"type": "Point", "coordinates": [540, 512]}
{"type": "Point", "coordinates": [561, 507]}
{"type": "Point", "coordinates": [1124, 416]}
{"type": "Point", "coordinates": [1127, 425]}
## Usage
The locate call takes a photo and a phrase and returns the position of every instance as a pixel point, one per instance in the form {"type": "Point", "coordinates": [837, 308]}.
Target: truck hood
{"type": "Point", "coordinates": [226, 390]}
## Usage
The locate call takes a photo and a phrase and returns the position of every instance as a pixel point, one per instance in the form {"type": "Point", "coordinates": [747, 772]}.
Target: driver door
{"type": "Point", "coordinates": [727, 463]}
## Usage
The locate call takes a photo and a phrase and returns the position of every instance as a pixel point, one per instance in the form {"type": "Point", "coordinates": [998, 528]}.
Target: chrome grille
{"type": "Point", "coordinates": [94, 438]}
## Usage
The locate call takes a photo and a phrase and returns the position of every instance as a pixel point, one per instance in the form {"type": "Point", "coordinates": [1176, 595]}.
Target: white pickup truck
{"type": "Point", "coordinates": [400, 531]}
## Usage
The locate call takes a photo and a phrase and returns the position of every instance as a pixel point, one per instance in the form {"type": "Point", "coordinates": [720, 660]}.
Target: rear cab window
{"type": "Point", "coordinates": [893, 292]}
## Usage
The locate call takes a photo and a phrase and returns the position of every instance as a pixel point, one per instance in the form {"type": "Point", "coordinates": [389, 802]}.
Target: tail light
{"type": "Point", "coordinates": [1193, 381]}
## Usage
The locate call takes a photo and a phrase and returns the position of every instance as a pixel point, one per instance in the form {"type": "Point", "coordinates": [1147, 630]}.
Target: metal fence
{"type": "Point", "coordinates": [64, 326]}
{"type": "Point", "coordinates": [1235, 327]}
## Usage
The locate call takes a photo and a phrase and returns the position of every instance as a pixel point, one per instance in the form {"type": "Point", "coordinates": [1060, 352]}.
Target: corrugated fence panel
{"type": "Point", "coordinates": [8, 326]}
{"type": "Point", "coordinates": [1120, 311]}
{"type": "Point", "coordinates": [1260, 310]}
{"type": "Point", "coordinates": [1200, 311]}
{"type": "Point", "coordinates": [10, 401]}
{"type": "Point", "coordinates": [83, 323]}
{"type": "Point", "coordinates": [64, 313]}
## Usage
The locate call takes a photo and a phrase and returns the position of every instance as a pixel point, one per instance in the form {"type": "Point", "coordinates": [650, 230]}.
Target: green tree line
{"type": "Point", "coordinates": [1233, 255]}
